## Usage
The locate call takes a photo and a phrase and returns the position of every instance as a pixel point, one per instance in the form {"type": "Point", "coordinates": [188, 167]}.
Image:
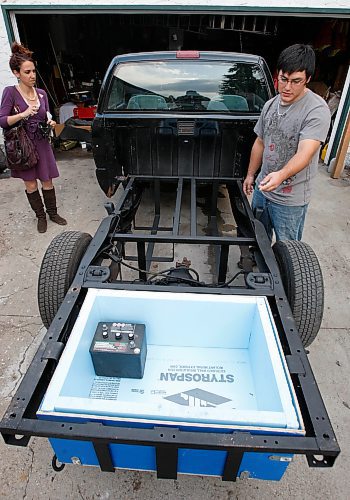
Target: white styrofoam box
{"type": "Point", "coordinates": [213, 361]}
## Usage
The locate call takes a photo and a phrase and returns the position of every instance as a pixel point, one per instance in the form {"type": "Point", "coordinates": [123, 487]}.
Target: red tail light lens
{"type": "Point", "coordinates": [187, 54]}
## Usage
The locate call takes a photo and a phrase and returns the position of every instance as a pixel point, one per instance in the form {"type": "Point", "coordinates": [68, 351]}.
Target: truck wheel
{"type": "Point", "coordinates": [57, 271]}
{"type": "Point", "coordinates": [303, 283]}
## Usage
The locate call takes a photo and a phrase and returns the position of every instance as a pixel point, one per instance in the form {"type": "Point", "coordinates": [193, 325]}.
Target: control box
{"type": "Point", "coordinates": [119, 349]}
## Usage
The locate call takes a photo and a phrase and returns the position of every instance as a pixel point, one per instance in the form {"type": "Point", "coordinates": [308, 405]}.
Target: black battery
{"type": "Point", "coordinates": [119, 349]}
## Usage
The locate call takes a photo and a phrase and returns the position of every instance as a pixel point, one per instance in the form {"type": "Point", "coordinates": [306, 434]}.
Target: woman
{"type": "Point", "coordinates": [25, 102]}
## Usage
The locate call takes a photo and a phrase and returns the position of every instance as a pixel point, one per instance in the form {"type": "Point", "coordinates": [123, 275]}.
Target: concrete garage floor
{"type": "Point", "coordinates": [26, 472]}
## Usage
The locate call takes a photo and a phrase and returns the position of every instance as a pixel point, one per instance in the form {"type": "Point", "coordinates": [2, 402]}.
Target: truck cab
{"type": "Point", "coordinates": [178, 113]}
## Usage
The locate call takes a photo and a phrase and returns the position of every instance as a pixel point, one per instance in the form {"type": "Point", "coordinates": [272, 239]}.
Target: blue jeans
{"type": "Point", "coordinates": [286, 221]}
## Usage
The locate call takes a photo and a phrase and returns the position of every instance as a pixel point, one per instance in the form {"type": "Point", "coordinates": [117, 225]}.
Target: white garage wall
{"type": "Point", "coordinates": [6, 77]}
{"type": "Point", "coordinates": [266, 7]}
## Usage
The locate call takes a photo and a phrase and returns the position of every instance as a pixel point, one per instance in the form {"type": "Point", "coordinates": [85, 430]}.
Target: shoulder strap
{"type": "Point", "coordinates": [43, 100]}
{"type": "Point", "coordinates": [15, 105]}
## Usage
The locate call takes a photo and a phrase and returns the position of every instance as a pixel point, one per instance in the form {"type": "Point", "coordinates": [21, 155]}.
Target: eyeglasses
{"type": "Point", "coordinates": [295, 82]}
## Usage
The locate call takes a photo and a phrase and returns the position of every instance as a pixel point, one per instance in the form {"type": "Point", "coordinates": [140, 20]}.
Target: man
{"type": "Point", "coordinates": [289, 132]}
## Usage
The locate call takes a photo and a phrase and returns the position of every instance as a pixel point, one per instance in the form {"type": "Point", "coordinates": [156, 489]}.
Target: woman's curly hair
{"type": "Point", "coordinates": [20, 54]}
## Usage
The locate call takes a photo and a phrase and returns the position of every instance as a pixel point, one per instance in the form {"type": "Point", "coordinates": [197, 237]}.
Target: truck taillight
{"type": "Point", "coordinates": [187, 54]}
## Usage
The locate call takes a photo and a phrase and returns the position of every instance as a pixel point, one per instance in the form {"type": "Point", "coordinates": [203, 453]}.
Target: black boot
{"type": "Point", "coordinates": [36, 203]}
{"type": "Point", "coordinates": [51, 208]}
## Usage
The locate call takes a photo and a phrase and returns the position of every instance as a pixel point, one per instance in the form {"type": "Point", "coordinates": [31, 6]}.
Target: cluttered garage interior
{"type": "Point", "coordinates": [74, 50]}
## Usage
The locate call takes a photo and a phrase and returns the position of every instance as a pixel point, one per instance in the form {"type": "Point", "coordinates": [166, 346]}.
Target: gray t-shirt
{"type": "Point", "coordinates": [281, 128]}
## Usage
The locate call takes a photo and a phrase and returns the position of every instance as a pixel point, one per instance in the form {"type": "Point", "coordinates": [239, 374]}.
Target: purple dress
{"type": "Point", "coordinates": [46, 167]}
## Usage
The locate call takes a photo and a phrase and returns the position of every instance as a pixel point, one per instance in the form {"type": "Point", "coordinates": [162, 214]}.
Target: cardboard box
{"type": "Point", "coordinates": [60, 126]}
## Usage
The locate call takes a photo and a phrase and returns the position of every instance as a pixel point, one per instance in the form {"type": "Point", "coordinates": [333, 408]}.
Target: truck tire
{"type": "Point", "coordinates": [57, 271]}
{"type": "Point", "coordinates": [303, 283]}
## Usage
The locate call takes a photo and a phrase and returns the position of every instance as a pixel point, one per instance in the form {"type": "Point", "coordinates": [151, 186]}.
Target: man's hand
{"type": "Point", "coordinates": [248, 184]}
{"type": "Point", "coordinates": [271, 181]}
{"type": "Point", "coordinates": [254, 165]}
{"type": "Point", "coordinates": [306, 150]}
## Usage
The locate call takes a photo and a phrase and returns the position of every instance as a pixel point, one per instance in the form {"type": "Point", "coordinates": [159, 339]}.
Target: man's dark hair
{"type": "Point", "coordinates": [297, 57]}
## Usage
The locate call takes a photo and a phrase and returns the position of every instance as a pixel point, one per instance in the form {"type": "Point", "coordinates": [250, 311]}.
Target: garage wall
{"type": "Point", "coordinates": [301, 8]}
{"type": "Point", "coordinates": [223, 6]}
{"type": "Point", "coordinates": [6, 77]}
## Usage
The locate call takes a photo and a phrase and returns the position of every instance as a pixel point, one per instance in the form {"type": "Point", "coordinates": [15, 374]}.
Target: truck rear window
{"type": "Point", "coordinates": [199, 86]}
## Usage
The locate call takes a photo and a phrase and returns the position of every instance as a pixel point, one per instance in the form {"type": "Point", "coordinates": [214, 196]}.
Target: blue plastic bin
{"type": "Point", "coordinates": [214, 363]}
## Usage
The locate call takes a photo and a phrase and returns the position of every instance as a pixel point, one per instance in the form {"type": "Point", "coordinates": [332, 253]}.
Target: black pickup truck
{"type": "Point", "coordinates": [167, 368]}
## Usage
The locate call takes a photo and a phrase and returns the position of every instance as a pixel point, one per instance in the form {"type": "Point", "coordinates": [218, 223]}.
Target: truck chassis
{"type": "Point", "coordinates": [96, 263]}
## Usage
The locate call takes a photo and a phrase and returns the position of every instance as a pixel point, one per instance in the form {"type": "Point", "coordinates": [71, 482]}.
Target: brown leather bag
{"type": "Point", "coordinates": [21, 153]}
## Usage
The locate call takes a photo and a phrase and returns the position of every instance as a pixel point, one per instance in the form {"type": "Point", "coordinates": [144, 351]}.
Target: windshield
{"type": "Point", "coordinates": [188, 86]}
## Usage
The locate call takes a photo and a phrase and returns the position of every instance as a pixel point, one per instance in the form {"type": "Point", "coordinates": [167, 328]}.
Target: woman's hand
{"type": "Point", "coordinates": [30, 111]}
{"type": "Point", "coordinates": [52, 123]}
